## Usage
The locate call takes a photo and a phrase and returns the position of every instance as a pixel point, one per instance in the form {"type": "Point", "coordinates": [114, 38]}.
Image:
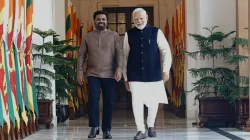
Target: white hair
{"type": "Point", "coordinates": [139, 10]}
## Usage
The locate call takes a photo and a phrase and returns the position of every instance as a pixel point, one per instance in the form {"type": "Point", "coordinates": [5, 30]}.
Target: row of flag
{"type": "Point", "coordinates": [178, 46]}
{"type": "Point", "coordinates": [17, 92]}
{"type": "Point", "coordinates": [74, 31]}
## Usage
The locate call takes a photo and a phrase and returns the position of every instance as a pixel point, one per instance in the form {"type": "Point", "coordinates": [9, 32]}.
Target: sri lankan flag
{"type": "Point", "coordinates": [11, 65]}
{"type": "Point", "coordinates": [4, 115]}
{"type": "Point", "coordinates": [69, 35]}
{"type": "Point", "coordinates": [32, 101]}
{"type": "Point", "coordinates": [18, 50]}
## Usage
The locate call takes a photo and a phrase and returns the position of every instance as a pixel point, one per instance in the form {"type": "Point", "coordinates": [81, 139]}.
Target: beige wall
{"type": "Point", "coordinates": [242, 22]}
{"type": "Point", "coordinates": [163, 9]}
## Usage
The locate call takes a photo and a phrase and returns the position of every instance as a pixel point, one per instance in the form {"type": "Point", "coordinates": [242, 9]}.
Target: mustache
{"type": "Point", "coordinates": [139, 24]}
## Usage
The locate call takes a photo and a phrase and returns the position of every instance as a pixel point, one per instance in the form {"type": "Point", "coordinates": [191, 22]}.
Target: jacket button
{"type": "Point", "coordinates": [142, 68]}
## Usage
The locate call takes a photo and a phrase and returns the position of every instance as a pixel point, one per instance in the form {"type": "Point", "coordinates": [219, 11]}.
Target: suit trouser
{"type": "Point", "coordinates": [138, 110]}
{"type": "Point", "coordinates": [108, 93]}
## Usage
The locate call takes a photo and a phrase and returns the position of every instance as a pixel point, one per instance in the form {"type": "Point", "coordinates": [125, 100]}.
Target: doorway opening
{"type": "Point", "coordinates": [120, 20]}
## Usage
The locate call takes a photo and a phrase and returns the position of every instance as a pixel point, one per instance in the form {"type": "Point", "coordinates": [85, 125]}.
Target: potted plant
{"type": "Point", "coordinates": [217, 87]}
{"type": "Point", "coordinates": [66, 75]}
{"type": "Point", "coordinates": [242, 102]}
{"type": "Point", "coordinates": [42, 77]}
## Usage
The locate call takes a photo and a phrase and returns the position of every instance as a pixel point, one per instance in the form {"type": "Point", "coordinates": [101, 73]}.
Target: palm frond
{"type": "Point", "coordinates": [44, 72]}
{"type": "Point", "coordinates": [43, 80]}
{"type": "Point", "coordinates": [69, 49]}
{"type": "Point", "coordinates": [243, 80]}
{"type": "Point", "coordinates": [202, 72]}
{"type": "Point", "coordinates": [241, 41]}
{"type": "Point", "coordinates": [236, 59]}
{"type": "Point", "coordinates": [206, 81]}
{"type": "Point", "coordinates": [41, 90]}
{"type": "Point", "coordinates": [44, 34]}
{"type": "Point", "coordinates": [48, 47]}
{"type": "Point", "coordinates": [42, 57]}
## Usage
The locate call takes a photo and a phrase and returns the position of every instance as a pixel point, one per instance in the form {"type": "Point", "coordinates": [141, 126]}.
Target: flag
{"type": "Point", "coordinates": [28, 56]}
{"type": "Point", "coordinates": [80, 41]}
{"type": "Point", "coordinates": [19, 60]}
{"type": "Point", "coordinates": [4, 116]}
{"type": "Point", "coordinates": [69, 35]}
{"type": "Point", "coordinates": [78, 33]}
{"type": "Point", "coordinates": [167, 30]}
{"type": "Point", "coordinates": [69, 26]}
{"type": "Point", "coordinates": [73, 24]}
{"type": "Point", "coordinates": [11, 65]}
{"type": "Point", "coordinates": [90, 28]}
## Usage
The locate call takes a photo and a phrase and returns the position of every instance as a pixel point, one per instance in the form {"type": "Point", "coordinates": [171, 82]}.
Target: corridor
{"type": "Point", "coordinates": [168, 127]}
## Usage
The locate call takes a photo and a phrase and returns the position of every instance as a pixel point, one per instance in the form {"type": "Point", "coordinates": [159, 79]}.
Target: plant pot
{"type": "Point", "coordinates": [215, 110]}
{"type": "Point", "coordinates": [62, 113]}
{"type": "Point", "coordinates": [82, 110]}
{"type": "Point", "coordinates": [45, 112]}
{"type": "Point", "coordinates": [241, 112]}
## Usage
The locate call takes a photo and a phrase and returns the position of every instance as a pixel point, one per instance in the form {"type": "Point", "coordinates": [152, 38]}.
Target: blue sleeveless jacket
{"type": "Point", "coordinates": [144, 63]}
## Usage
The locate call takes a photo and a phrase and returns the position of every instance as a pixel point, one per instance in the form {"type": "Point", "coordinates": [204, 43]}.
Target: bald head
{"type": "Point", "coordinates": [140, 18]}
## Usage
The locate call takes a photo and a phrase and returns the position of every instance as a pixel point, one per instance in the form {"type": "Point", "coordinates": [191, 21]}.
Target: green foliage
{"type": "Point", "coordinates": [65, 74]}
{"type": "Point", "coordinates": [64, 68]}
{"type": "Point", "coordinates": [218, 81]}
{"type": "Point", "coordinates": [43, 76]}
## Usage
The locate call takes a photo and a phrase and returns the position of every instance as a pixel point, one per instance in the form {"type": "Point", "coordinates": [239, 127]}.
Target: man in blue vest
{"type": "Point", "coordinates": [147, 61]}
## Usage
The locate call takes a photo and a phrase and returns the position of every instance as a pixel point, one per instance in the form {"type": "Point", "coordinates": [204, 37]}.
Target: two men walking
{"type": "Point", "coordinates": [144, 58]}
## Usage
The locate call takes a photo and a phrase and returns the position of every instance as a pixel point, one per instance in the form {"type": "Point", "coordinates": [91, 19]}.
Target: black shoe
{"type": "Point", "coordinates": [93, 132]}
{"type": "Point", "coordinates": [151, 132]}
{"type": "Point", "coordinates": [140, 136]}
{"type": "Point", "coordinates": [107, 135]}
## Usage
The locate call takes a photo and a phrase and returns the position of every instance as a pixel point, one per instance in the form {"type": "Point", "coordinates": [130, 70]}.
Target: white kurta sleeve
{"type": "Point", "coordinates": [165, 51]}
{"type": "Point", "coordinates": [126, 50]}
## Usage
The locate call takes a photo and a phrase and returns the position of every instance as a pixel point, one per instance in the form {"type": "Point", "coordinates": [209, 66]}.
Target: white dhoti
{"type": "Point", "coordinates": [150, 94]}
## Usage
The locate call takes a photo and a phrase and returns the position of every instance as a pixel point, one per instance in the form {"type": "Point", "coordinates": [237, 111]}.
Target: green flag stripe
{"type": "Point", "coordinates": [28, 3]}
{"type": "Point", "coordinates": [1, 110]}
{"type": "Point", "coordinates": [18, 79]}
{"type": "Point", "coordinates": [34, 96]}
{"type": "Point", "coordinates": [68, 23]}
{"type": "Point", "coordinates": [26, 101]}
{"type": "Point", "coordinates": [10, 103]}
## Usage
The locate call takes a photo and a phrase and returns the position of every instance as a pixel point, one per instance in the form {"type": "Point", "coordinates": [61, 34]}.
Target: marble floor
{"type": "Point", "coordinates": [168, 126]}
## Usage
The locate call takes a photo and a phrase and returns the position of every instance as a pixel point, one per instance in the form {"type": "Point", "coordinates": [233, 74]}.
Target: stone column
{"type": "Point", "coordinates": [248, 121]}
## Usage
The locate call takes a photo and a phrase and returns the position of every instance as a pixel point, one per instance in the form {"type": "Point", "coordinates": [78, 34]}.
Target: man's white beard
{"type": "Point", "coordinates": [140, 26]}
